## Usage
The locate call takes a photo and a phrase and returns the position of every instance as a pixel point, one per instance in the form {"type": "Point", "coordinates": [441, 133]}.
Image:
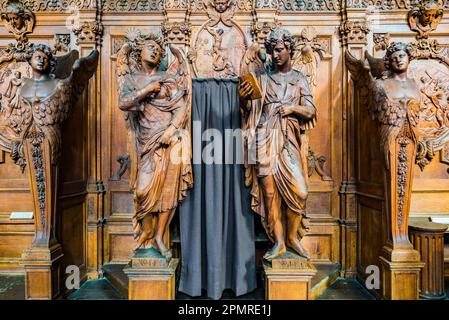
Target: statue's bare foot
{"type": "Point", "coordinates": [277, 249]}
{"type": "Point", "coordinates": [163, 249]}
{"type": "Point", "coordinates": [298, 248]}
{"type": "Point", "coordinates": [142, 241]}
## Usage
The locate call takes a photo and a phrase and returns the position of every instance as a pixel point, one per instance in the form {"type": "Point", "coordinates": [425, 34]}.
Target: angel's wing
{"type": "Point", "coordinates": [376, 65]}
{"type": "Point", "coordinates": [254, 60]}
{"type": "Point", "coordinates": [83, 69]}
{"type": "Point", "coordinates": [179, 68]}
{"type": "Point", "coordinates": [362, 78]}
{"type": "Point", "coordinates": [64, 64]}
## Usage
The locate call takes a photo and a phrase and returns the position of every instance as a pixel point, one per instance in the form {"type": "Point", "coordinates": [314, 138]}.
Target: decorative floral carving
{"type": "Point", "coordinates": [381, 41]}
{"type": "Point", "coordinates": [404, 139]}
{"type": "Point", "coordinates": [425, 17]}
{"type": "Point", "coordinates": [62, 43]}
{"type": "Point", "coordinates": [309, 5]}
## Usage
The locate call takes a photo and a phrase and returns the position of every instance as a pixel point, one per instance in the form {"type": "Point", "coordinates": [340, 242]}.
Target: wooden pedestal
{"type": "Point", "coordinates": [428, 239]}
{"type": "Point", "coordinates": [288, 277]}
{"type": "Point", "coordinates": [400, 280]}
{"type": "Point", "coordinates": [42, 272]}
{"type": "Point", "coordinates": [150, 276]}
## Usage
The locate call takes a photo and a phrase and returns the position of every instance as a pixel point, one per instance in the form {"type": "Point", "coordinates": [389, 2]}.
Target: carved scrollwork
{"type": "Point", "coordinates": [261, 30]}
{"type": "Point", "coordinates": [125, 164]}
{"type": "Point", "coordinates": [309, 5]}
{"type": "Point", "coordinates": [316, 164]}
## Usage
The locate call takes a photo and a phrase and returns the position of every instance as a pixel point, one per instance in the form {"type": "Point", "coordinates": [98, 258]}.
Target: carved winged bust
{"type": "Point", "coordinates": [158, 105]}
{"type": "Point", "coordinates": [426, 17]}
{"type": "Point", "coordinates": [19, 20]}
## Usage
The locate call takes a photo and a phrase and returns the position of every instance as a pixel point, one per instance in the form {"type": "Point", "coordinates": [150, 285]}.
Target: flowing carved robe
{"type": "Point", "coordinates": [278, 145]}
{"type": "Point", "coordinates": [164, 174]}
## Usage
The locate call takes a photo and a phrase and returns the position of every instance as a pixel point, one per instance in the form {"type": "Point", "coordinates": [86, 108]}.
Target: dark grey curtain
{"type": "Point", "coordinates": [217, 225]}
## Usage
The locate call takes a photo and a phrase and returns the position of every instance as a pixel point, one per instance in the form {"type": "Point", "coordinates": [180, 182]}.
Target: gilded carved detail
{"type": "Point", "coordinates": [425, 17]}
{"type": "Point", "coordinates": [18, 19]}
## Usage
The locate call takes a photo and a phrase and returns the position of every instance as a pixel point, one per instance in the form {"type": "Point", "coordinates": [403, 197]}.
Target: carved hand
{"type": "Point", "coordinates": [167, 137]}
{"type": "Point", "coordinates": [154, 87]}
{"type": "Point", "coordinates": [285, 111]}
{"type": "Point", "coordinates": [245, 90]}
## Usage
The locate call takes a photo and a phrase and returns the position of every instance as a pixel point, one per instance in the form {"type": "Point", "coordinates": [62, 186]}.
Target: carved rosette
{"type": "Point", "coordinates": [88, 31]}
{"type": "Point", "coordinates": [354, 32]}
{"type": "Point", "coordinates": [177, 32]}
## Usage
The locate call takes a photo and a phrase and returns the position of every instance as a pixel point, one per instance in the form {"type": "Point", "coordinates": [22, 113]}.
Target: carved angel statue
{"type": "Point", "coordinates": [45, 101]}
{"type": "Point", "coordinates": [275, 141]}
{"type": "Point", "coordinates": [158, 107]}
{"type": "Point", "coordinates": [394, 100]}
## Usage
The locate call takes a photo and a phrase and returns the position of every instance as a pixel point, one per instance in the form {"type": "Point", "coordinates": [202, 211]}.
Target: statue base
{"type": "Point", "coordinates": [400, 280]}
{"type": "Point", "coordinates": [150, 276]}
{"type": "Point", "coordinates": [42, 272]}
{"type": "Point", "coordinates": [288, 277]}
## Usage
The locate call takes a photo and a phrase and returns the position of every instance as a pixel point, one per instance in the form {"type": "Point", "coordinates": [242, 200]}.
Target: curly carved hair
{"type": "Point", "coordinates": [395, 47]}
{"type": "Point", "coordinates": [45, 50]}
{"type": "Point", "coordinates": [283, 36]}
{"type": "Point", "coordinates": [141, 41]}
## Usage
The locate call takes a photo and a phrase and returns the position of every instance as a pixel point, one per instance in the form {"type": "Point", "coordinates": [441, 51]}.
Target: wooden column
{"type": "Point", "coordinates": [428, 239]}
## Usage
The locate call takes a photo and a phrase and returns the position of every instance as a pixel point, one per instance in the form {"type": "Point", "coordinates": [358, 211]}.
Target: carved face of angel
{"type": "Point", "coordinates": [16, 21]}
{"type": "Point", "coordinates": [428, 16]}
{"type": "Point", "coordinates": [151, 53]}
{"type": "Point", "coordinates": [40, 62]}
{"type": "Point", "coordinates": [281, 54]}
{"type": "Point", "coordinates": [221, 5]}
{"type": "Point", "coordinates": [399, 61]}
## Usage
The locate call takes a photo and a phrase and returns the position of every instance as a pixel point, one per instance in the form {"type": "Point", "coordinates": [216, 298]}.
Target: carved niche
{"type": "Point", "coordinates": [220, 44]}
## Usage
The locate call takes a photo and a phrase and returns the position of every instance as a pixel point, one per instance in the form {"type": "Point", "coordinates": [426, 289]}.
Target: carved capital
{"type": "Point", "coordinates": [354, 32]}
{"type": "Point", "coordinates": [177, 32]}
{"type": "Point", "coordinates": [88, 31]}
{"type": "Point", "coordinates": [261, 30]}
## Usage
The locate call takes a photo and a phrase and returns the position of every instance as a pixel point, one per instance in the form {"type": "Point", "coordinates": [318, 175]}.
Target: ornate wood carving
{"type": "Point", "coordinates": [125, 164]}
{"type": "Point", "coordinates": [381, 41]}
{"type": "Point", "coordinates": [62, 44]}
{"type": "Point", "coordinates": [220, 44]}
{"type": "Point", "coordinates": [268, 139]}
{"type": "Point", "coordinates": [177, 32]}
{"type": "Point", "coordinates": [88, 31]}
{"type": "Point", "coordinates": [425, 17]}
{"type": "Point", "coordinates": [160, 153]}
{"type": "Point", "coordinates": [18, 19]}
{"type": "Point", "coordinates": [354, 32]}
{"type": "Point", "coordinates": [309, 5]}
{"type": "Point", "coordinates": [309, 52]}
